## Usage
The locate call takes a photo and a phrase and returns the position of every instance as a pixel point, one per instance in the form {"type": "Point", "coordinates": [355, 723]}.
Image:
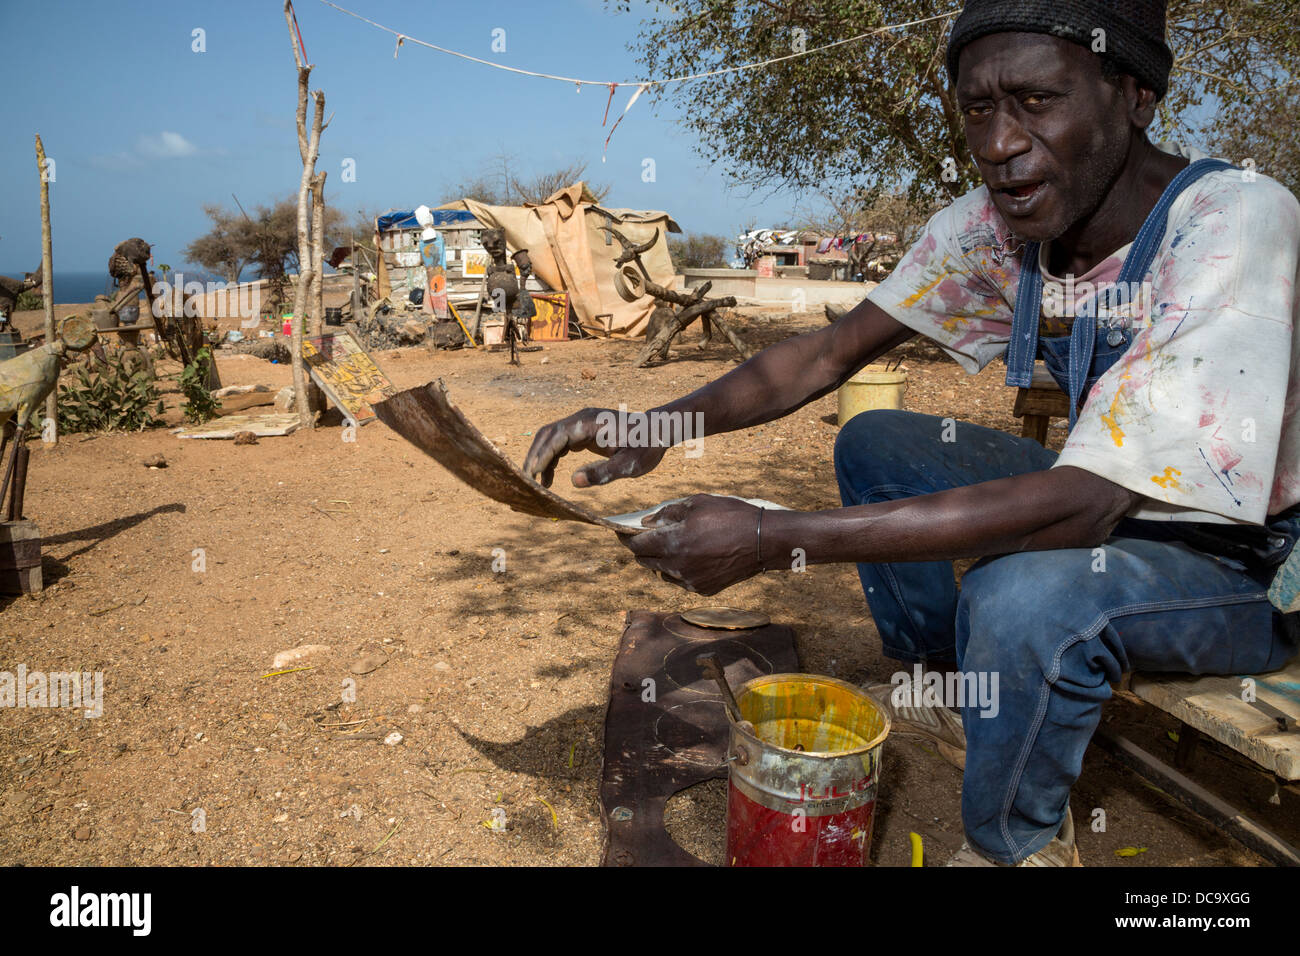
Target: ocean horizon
{"type": "Point", "coordinates": [79, 288]}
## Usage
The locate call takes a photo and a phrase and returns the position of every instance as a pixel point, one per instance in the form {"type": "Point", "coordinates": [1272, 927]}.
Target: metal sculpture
{"type": "Point", "coordinates": [25, 382]}
{"type": "Point", "coordinates": [632, 280]}
{"type": "Point", "coordinates": [507, 294]}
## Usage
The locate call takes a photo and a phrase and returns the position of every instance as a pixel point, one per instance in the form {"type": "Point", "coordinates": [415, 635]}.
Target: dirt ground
{"type": "Point", "coordinates": [181, 585]}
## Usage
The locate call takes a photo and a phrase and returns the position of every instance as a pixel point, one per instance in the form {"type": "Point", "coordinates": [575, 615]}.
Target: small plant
{"type": "Point", "coordinates": [108, 397]}
{"type": "Point", "coordinates": [31, 299]}
{"type": "Point", "coordinates": [199, 406]}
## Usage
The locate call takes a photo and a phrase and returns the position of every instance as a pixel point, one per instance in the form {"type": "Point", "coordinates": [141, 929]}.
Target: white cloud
{"type": "Point", "coordinates": [165, 145]}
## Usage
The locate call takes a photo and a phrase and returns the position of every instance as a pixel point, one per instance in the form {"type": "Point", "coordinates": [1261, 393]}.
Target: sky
{"type": "Point", "coordinates": [144, 130]}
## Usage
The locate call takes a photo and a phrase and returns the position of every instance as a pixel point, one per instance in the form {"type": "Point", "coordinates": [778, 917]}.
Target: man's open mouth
{"type": "Point", "coordinates": [1021, 191]}
{"type": "Point", "coordinates": [1021, 198]}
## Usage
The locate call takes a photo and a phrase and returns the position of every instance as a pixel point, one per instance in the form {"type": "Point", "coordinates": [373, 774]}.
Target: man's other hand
{"type": "Point", "coordinates": [703, 544]}
{"type": "Point", "coordinates": [595, 430]}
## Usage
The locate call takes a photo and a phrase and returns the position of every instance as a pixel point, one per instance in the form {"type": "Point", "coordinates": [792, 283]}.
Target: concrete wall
{"type": "Point", "coordinates": [809, 292]}
{"type": "Point", "coordinates": [737, 282]}
{"type": "Point", "coordinates": [750, 288]}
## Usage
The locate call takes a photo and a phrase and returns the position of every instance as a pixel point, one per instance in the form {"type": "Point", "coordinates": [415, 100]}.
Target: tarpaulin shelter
{"type": "Point", "coordinates": [570, 253]}
{"type": "Point", "coordinates": [405, 219]}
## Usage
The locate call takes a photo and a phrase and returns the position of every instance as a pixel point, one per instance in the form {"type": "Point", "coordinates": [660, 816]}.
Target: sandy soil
{"type": "Point", "coordinates": [497, 683]}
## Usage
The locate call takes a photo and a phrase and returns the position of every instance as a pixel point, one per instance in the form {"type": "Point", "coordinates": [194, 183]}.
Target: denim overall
{"type": "Point", "coordinates": [1077, 361]}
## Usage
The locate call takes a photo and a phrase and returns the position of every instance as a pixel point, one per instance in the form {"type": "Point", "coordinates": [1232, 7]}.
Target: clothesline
{"type": "Point", "coordinates": [407, 38]}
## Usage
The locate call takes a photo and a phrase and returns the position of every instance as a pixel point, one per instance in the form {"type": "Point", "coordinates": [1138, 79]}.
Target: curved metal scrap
{"type": "Point", "coordinates": [425, 417]}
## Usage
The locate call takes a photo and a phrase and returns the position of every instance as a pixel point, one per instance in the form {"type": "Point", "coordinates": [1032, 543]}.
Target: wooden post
{"type": "Point", "coordinates": [308, 149]}
{"type": "Point", "coordinates": [20, 558]}
{"type": "Point", "coordinates": [51, 431]}
{"type": "Point", "coordinates": [318, 253]}
{"type": "Point", "coordinates": [357, 304]}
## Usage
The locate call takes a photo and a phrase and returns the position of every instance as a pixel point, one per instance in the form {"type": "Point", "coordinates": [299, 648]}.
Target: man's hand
{"type": "Point", "coordinates": [596, 430]}
{"type": "Point", "coordinates": [703, 544]}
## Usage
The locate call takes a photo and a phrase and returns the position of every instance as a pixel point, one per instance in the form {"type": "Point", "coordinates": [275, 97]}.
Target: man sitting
{"type": "Point", "coordinates": [1150, 542]}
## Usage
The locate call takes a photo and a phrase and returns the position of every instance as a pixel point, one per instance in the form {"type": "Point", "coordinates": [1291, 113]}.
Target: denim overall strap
{"type": "Point", "coordinates": [1083, 335]}
{"type": "Point", "coordinates": [1152, 232]}
{"type": "Point", "coordinates": [1022, 349]}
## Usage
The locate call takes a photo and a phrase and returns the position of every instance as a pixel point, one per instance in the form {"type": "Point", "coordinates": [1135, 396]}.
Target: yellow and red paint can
{"type": "Point", "coordinates": [802, 788]}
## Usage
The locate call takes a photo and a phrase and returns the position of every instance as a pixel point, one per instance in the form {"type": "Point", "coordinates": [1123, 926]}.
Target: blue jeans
{"type": "Point", "coordinates": [1052, 627]}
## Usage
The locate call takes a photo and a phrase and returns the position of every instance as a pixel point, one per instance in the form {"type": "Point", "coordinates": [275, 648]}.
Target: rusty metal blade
{"type": "Point", "coordinates": [425, 417]}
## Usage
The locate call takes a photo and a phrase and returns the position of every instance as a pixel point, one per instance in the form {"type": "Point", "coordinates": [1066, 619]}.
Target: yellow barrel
{"type": "Point", "coordinates": [873, 387]}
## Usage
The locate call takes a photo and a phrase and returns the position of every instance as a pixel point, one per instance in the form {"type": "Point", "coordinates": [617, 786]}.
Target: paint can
{"type": "Point", "coordinates": [872, 388]}
{"type": "Point", "coordinates": [802, 787]}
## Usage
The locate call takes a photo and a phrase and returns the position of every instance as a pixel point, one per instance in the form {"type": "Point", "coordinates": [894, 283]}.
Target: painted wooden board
{"type": "Point", "coordinates": [347, 375]}
{"type": "Point", "coordinates": [551, 323]}
{"type": "Point", "coordinates": [1213, 705]}
{"type": "Point", "coordinates": [263, 426]}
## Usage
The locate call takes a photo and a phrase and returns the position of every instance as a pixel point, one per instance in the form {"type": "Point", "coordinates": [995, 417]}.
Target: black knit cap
{"type": "Point", "coordinates": [1135, 31]}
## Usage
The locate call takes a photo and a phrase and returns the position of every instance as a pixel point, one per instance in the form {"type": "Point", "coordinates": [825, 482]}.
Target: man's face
{"type": "Point", "coordinates": [1048, 133]}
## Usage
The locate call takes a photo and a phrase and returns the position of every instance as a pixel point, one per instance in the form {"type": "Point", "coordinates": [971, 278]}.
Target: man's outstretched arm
{"type": "Point", "coordinates": [790, 374]}
{"type": "Point", "coordinates": [774, 383]}
{"type": "Point", "coordinates": [706, 544]}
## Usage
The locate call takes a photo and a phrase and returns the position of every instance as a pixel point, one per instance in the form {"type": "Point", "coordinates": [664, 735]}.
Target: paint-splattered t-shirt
{"type": "Point", "coordinates": [1200, 414]}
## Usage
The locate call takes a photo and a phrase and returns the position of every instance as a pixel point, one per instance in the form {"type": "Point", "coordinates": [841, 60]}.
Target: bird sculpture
{"type": "Point", "coordinates": [25, 382]}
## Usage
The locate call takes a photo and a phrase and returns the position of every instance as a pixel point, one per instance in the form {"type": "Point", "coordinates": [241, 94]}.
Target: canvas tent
{"type": "Point", "coordinates": [570, 253]}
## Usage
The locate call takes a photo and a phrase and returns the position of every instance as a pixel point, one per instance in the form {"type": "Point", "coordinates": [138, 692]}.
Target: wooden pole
{"type": "Point", "coordinates": [318, 253]}
{"type": "Point", "coordinates": [51, 433]}
{"type": "Point", "coordinates": [357, 304]}
{"type": "Point", "coordinates": [308, 149]}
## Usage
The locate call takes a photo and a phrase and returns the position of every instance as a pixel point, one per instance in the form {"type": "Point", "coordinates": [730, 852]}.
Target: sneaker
{"type": "Point", "coordinates": [939, 725]}
{"type": "Point", "coordinates": [1062, 851]}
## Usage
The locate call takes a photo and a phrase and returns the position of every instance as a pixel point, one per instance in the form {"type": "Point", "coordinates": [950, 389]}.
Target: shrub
{"type": "Point", "coordinates": [199, 406]}
{"type": "Point", "coordinates": [29, 300]}
{"type": "Point", "coordinates": [108, 397]}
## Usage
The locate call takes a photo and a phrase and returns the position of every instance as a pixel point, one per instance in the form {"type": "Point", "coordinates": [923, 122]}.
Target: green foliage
{"type": "Point", "coordinates": [699, 252]}
{"type": "Point", "coordinates": [1271, 146]}
{"type": "Point", "coordinates": [498, 182]}
{"type": "Point", "coordinates": [876, 115]}
{"type": "Point", "coordinates": [266, 239]}
{"type": "Point", "coordinates": [199, 405]}
{"type": "Point", "coordinates": [108, 397]}
{"type": "Point", "coordinates": [31, 299]}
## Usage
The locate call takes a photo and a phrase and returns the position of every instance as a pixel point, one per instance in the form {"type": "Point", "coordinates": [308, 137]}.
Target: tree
{"type": "Point", "coordinates": [228, 247]}
{"type": "Point", "coordinates": [698, 252]}
{"type": "Point", "coordinates": [877, 113]}
{"type": "Point", "coordinates": [265, 238]}
{"type": "Point", "coordinates": [481, 187]}
{"type": "Point", "coordinates": [1269, 144]}
{"type": "Point", "coordinates": [862, 211]}
{"type": "Point", "coordinates": [500, 183]}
